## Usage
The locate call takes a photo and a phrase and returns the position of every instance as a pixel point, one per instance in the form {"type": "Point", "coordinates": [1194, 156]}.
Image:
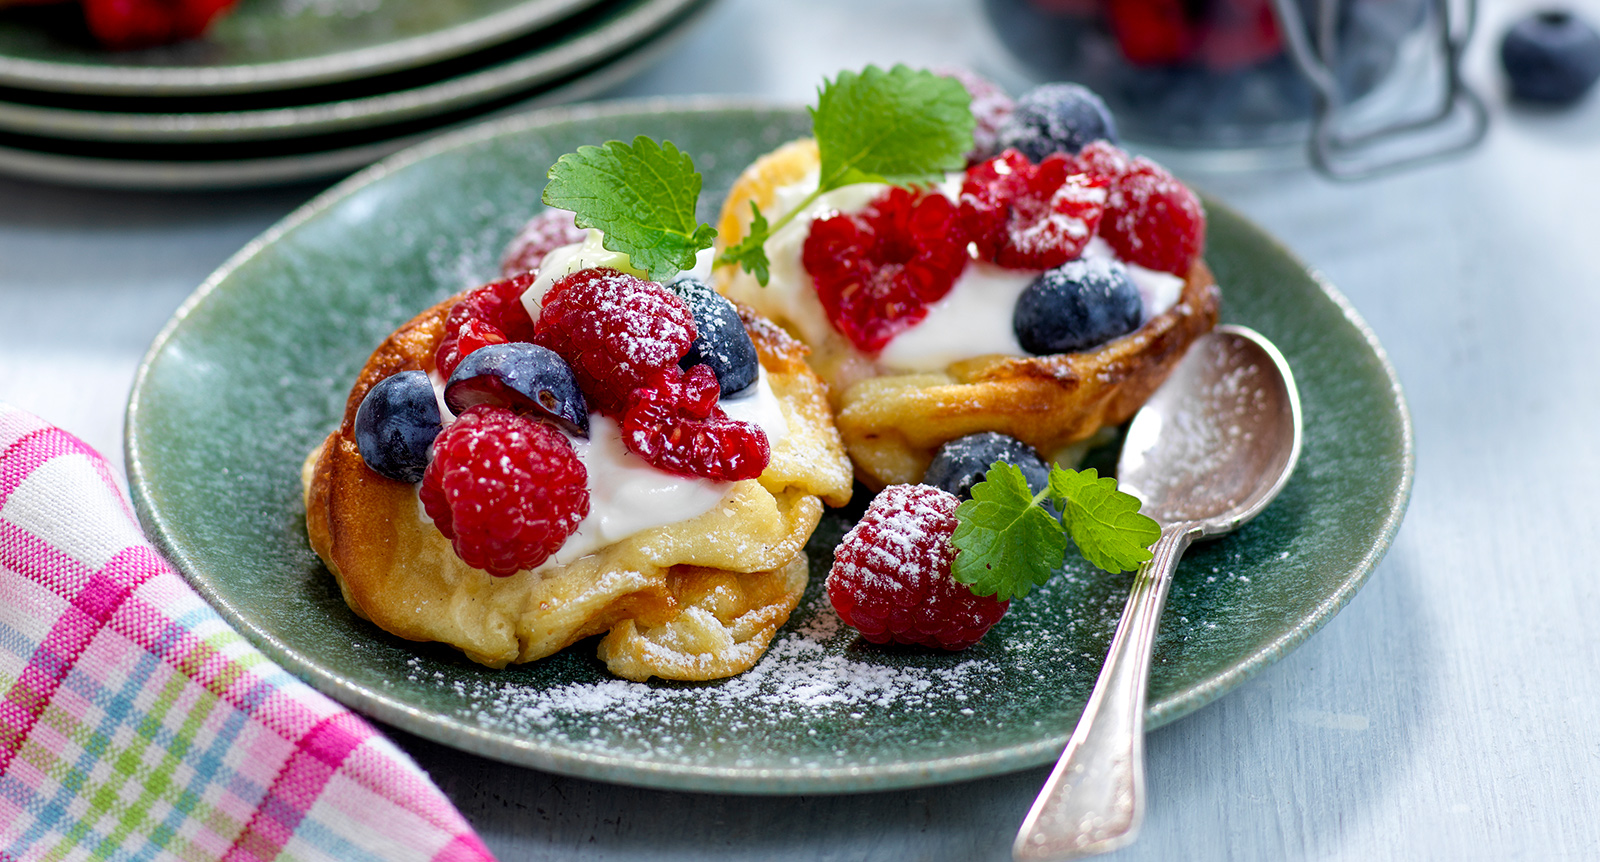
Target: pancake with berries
{"type": "Point", "coordinates": [580, 451]}
{"type": "Point", "coordinates": [1042, 293]}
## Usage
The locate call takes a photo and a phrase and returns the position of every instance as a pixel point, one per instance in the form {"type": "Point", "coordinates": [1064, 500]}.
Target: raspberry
{"type": "Point", "coordinates": [543, 234]}
{"type": "Point", "coordinates": [615, 331]}
{"type": "Point", "coordinates": [1151, 218]}
{"type": "Point", "coordinates": [506, 490]}
{"type": "Point", "coordinates": [891, 574]}
{"type": "Point", "coordinates": [492, 314]}
{"type": "Point", "coordinates": [1026, 216]}
{"type": "Point", "coordinates": [878, 270]}
{"type": "Point", "coordinates": [1152, 32]}
{"type": "Point", "coordinates": [126, 24]}
{"type": "Point", "coordinates": [675, 425]}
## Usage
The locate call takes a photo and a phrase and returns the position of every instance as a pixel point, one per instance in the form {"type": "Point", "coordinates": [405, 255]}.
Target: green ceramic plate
{"type": "Point", "coordinates": [265, 45]}
{"type": "Point", "coordinates": [254, 369]}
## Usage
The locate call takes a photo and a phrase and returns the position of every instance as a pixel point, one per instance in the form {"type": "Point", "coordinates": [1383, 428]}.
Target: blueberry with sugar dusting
{"type": "Point", "coordinates": [720, 337]}
{"type": "Point", "coordinates": [1078, 305]}
{"type": "Point", "coordinates": [1551, 57]}
{"type": "Point", "coordinates": [396, 423]}
{"type": "Point", "coordinates": [962, 462]}
{"type": "Point", "coordinates": [1056, 118]}
{"type": "Point", "coordinates": [524, 377]}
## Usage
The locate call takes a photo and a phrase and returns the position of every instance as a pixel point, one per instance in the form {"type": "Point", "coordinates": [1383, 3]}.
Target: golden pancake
{"type": "Point", "coordinates": [694, 600]}
{"type": "Point", "coordinates": [893, 422]}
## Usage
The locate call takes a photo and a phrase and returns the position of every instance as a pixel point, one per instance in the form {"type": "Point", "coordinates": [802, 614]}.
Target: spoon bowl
{"type": "Point", "coordinates": [1209, 450]}
{"type": "Point", "coordinates": [1217, 442]}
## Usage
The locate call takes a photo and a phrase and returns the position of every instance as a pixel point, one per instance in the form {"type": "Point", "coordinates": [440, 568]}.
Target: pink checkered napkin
{"type": "Point", "coordinates": [136, 724]}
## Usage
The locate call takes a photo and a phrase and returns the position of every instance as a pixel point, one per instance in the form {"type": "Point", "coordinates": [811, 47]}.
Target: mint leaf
{"type": "Point", "coordinates": [1007, 543]}
{"type": "Point", "coordinates": [750, 253]}
{"type": "Point", "coordinates": [1104, 522]}
{"type": "Point", "coordinates": [642, 196]}
{"type": "Point", "coordinates": [902, 126]}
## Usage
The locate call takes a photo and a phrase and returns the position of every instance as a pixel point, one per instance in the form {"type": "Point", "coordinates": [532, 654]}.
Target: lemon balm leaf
{"type": "Point", "coordinates": [642, 195]}
{"type": "Point", "coordinates": [750, 253]}
{"type": "Point", "coordinates": [1105, 523]}
{"type": "Point", "coordinates": [1006, 542]}
{"type": "Point", "coordinates": [903, 127]}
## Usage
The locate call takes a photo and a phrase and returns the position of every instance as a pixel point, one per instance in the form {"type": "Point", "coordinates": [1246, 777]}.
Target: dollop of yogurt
{"type": "Point", "coordinates": [628, 496]}
{"type": "Point", "coordinates": [568, 259]}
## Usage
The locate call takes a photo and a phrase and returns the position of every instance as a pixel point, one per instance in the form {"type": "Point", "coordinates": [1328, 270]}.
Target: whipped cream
{"type": "Point", "coordinates": [973, 319]}
{"type": "Point", "coordinates": [627, 495]}
{"type": "Point", "coordinates": [592, 253]}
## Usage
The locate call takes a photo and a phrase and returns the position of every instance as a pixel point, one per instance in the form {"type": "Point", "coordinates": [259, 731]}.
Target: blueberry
{"type": "Point", "coordinates": [520, 376]}
{"type": "Point", "coordinates": [721, 340]}
{"type": "Point", "coordinates": [1077, 305]}
{"type": "Point", "coordinates": [1551, 57]}
{"type": "Point", "coordinates": [961, 463]}
{"type": "Point", "coordinates": [395, 425]}
{"type": "Point", "coordinates": [1057, 118]}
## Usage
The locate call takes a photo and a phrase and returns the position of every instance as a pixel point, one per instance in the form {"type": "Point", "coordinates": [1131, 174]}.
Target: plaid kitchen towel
{"type": "Point", "coordinates": [136, 725]}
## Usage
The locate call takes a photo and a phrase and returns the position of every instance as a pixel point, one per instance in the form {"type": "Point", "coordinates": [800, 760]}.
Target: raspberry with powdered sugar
{"type": "Point", "coordinates": [891, 576]}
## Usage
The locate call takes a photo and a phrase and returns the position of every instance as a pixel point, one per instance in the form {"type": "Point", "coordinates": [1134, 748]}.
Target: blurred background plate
{"type": "Point", "coordinates": [264, 44]}
{"type": "Point", "coordinates": [600, 33]}
{"type": "Point", "coordinates": [243, 164]}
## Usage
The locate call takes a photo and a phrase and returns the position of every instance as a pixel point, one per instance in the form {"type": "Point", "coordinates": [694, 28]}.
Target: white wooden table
{"type": "Point", "coordinates": [1449, 712]}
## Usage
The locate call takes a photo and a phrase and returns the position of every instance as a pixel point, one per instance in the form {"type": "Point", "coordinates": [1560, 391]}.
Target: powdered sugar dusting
{"type": "Point", "coordinates": [816, 677]}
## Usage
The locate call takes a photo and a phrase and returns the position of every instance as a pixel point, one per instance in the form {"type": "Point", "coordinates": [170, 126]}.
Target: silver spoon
{"type": "Point", "coordinates": [1206, 453]}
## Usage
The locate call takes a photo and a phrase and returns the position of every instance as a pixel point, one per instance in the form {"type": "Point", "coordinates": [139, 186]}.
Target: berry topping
{"type": "Point", "coordinates": [125, 24]}
{"type": "Point", "coordinates": [990, 107]}
{"type": "Point", "coordinates": [506, 490]}
{"type": "Point", "coordinates": [1026, 216]}
{"type": "Point", "coordinates": [543, 234]}
{"type": "Point", "coordinates": [1076, 306]}
{"type": "Point", "coordinates": [878, 270]}
{"type": "Point", "coordinates": [1240, 33]}
{"type": "Point", "coordinates": [721, 341]}
{"type": "Point", "coordinates": [675, 425]}
{"type": "Point", "coordinates": [1153, 32]}
{"type": "Point", "coordinates": [615, 331]}
{"type": "Point", "coordinates": [492, 314]}
{"type": "Point", "coordinates": [522, 377]}
{"type": "Point", "coordinates": [1551, 57]}
{"type": "Point", "coordinates": [891, 574]}
{"type": "Point", "coordinates": [396, 423]}
{"type": "Point", "coordinates": [1056, 118]}
{"type": "Point", "coordinates": [962, 462]}
{"type": "Point", "coordinates": [1151, 218]}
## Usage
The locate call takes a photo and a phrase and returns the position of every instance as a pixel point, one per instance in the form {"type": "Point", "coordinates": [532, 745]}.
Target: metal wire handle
{"type": "Point", "coordinates": [1354, 157]}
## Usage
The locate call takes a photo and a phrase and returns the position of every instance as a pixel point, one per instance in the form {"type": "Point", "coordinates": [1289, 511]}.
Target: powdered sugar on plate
{"type": "Point", "coordinates": [813, 676]}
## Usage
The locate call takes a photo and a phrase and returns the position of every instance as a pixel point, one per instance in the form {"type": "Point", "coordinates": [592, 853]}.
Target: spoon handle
{"type": "Point", "coordinates": [1094, 800]}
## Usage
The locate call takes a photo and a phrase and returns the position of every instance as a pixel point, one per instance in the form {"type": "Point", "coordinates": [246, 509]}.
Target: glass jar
{"type": "Point", "coordinates": [1261, 74]}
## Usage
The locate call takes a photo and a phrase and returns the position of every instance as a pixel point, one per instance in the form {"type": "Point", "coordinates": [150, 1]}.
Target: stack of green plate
{"type": "Point", "coordinates": [283, 90]}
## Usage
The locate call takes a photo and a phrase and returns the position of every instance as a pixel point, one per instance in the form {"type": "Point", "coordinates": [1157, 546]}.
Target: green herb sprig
{"type": "Point", "coordinates": [1010, 543]}
{"type": "Point", "coordinates": [641, 195]}
{"type": "Point", "coordinates": [903, 127]}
